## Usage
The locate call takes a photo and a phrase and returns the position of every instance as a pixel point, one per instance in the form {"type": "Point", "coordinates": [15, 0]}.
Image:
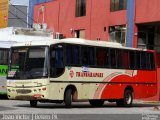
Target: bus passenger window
{"type": "Point", "coordinates": [68, 55]}
{"type": "Point", "coordinates": [88, 56]}
{"type": "Point", "coordinates": [84, 56]}
{"type": "Point", "coordinates": [138, 60]}
{"type": "Point", "coordinates": [56, 62]}
{"type": "Point", "coordinates": [150, 59]}
{"type": "Point", "coordinates": [143, 60]}
{"type": "Point", "coordinates": [91, 58]}
{"type": "Point", "coordinates": [72, 55]}
{"type": "Point", "coordinates": [132, 59]}
{"type": "Point", "coordinates": [76, 51]}
{"type": "Point", "coordinates": [119, 59]}
{"type": "Point", "coordinates": [101, 56]}
{"type": "Point", "coordinates": [113, 57]}
{"type": "Point", "coordinates": [125, 59]}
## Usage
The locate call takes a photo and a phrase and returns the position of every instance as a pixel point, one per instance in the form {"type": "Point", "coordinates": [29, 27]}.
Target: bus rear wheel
{"type": "Point", "coordinates": [127, 100]}
{"type": "Point", "coordinates": [68, 98]}
{"type": "Point", "coordinates": [33, 103]}
{"type": "Point", "coordinates": [96, 103]}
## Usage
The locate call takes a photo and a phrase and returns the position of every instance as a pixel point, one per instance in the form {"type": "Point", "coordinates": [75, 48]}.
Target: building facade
{"type": "Point", "coordinates": [134, 23]}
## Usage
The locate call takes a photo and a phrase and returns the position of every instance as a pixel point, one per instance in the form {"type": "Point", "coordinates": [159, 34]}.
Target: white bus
{"type": "Point", "coordinates": [76, 70]}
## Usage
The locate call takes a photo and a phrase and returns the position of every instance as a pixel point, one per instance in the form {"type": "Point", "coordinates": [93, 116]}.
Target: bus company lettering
{"type": "Point", "coordinates": [89, 74]}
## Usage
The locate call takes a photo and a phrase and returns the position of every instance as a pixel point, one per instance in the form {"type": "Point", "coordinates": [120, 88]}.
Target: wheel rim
{"type": "Point", "coordinates": [128, 98]}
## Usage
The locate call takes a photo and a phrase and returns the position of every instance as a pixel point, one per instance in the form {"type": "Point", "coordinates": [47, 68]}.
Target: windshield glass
{"type": "Point", "coordinates": [28, 63]}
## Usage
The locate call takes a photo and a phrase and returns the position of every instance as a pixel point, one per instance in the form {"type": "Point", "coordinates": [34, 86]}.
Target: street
{"type": "Point", "coordinates": [79, 111]}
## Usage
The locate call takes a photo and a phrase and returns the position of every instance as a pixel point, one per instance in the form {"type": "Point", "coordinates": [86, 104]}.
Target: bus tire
{"type": "Point", "coordinates": [68, 98]}
{"type": "Point", "coordinates": [96, 103]}
{"type": "Point", "coordinates": [127, 100]}
{"type": "Point", "coordinates": [33, 103]}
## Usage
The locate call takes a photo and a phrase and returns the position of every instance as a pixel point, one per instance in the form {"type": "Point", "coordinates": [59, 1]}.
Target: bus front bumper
{"type": "Point", "coordinates": [35, 93]}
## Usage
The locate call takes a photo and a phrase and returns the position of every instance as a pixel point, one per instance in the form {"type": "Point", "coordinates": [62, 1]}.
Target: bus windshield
{"type": "Point", "coordinates": [28, 63]}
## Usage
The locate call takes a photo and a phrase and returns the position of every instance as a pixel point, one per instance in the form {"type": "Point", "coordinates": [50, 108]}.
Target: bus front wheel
{"type": "Point", "coordinates": [127, 100]}
{"type": "Point", "coordinates": [33, 103]}
{"type": "Point", "coordinates": [68, 98]}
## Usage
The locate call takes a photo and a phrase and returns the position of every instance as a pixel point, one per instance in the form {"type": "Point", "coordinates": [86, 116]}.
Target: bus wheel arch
{"type": "Point", "coordinates": [70, 95]}
{"type": "Point", "coordinates": [129, 88]}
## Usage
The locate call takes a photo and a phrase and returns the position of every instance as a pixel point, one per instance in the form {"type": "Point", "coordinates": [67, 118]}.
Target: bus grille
{"type": "Point", "coordinates": [23, 91]}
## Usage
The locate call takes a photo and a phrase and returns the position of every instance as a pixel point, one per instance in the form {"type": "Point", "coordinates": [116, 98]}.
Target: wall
{"type": "Point", "coordinates": [31, 5]}
{"type": "Point", "coordinates": [97, 19]}
{"type": "Point", "coordinates": [147, 11]}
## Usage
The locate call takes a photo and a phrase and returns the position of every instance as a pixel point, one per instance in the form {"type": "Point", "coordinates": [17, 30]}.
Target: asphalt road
{"type": "Point", "coordinates": [21, 110]}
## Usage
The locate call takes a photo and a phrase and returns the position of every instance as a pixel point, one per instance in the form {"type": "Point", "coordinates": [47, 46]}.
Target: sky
{"type": "Point", "coordinates": [19, 2]}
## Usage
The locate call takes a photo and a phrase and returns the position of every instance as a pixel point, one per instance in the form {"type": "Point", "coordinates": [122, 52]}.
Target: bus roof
{"type": "Point", "coordinates": [77, 41]}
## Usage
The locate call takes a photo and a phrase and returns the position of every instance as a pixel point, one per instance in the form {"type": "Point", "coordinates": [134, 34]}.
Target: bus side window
{"type": "Point", "coordinates": [76, 53]}
{"type": "Point", "coordinates": [91, 56]}
{"type": "Point", "coordinates": [72, 55]}
{"type": "Point", "coordinates": [152, 60]}
{"type": "Point", "coordinates": [107, 58]}
{"type": "Point", "coordinates": [101, 57]}
{"type": "Point", "coordinates": [56, 62]}
{"type": "Point", "coordinates": [119, 59]}
{"type": "Point", "coordinates": [138, 60]}
{"type": "Point", "coordinates": [143, 60]}
{"type": "Point", "coordinates": [113, 57]}
{"type": "Point", "coordinates": [132, 59]}
{"type": "Point", "coordinates": [88, 55]}
{"type": "Point", "coordinates": [84, 56]}
{"type": "Point", "coordinates": [148, 61]}
{"type": "Point", "coordinates": [125, 59]}
{"type": "Point", "coordinates": [68, 54]}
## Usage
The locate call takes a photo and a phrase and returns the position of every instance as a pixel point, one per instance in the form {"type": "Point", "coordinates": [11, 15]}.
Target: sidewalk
{"type": "Point", "coordinates": [146, 102]}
